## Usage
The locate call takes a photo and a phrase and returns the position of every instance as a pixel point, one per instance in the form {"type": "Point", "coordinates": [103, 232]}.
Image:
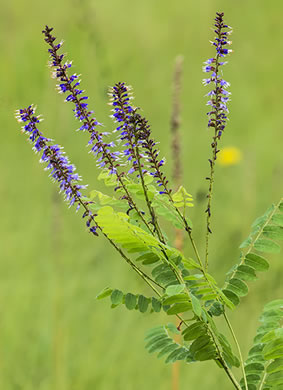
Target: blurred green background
{"type": "Point", "coordinates": [53, 333]}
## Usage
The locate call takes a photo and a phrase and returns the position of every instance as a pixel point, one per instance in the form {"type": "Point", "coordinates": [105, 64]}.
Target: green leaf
{"type": "Point", "coordinates": [246, 243]}
{"type": "Point", "coordinates": [155, 339]}
{"type": "Point", "coordinates": [182, 198]}
{"type": "Point", "coordinates": [216, 309]}
{"type": "Point", "coordinates": [275, 333]}
{"type": "Point", "coordinates": [117, 297]}
{"type": "Point", "coordinates": [254, 368]}
{"type": "Point", "coordinates": [156, 304]}
{"type": "Point", "coordinates": [165, 208]}
{"type": "Point", "coordinates": [266, 246]}
{"type": "Point", "coordinates": [206, 353]}
{"type": "Point", "coordinates": [232, 296]}
{"type": "Point", "coordinates": [274, 232]}
{"type": "Point", "coordinates": [199, 343]}
{"type": "Point", "coordinates": [143, 303]}
{"type": "Point", "coordinates": [175, 289]}
{"type": "Point", "coordinates": [277, 219]}
{"type": "Point", "coordinates": [246, 272]}
{"type": "Point", "coordinates": [275, 366]}
{"type": "Point", "coordinates": [196, 305]}
{"type": "Point", "coordinates": [104, 293]}
{"type": "Point", "coordinates": [274, 379]}
{"type": "Point", "coordinates": [168, 349]}
{"type": "Point", "coordinates": [172, 328]}
{"type": "Point", "coordinates": [166, 278]}
{"type": "Point", "coordinates": [176, 299]}
{"type": "Point", "coordinates": [238, 287]}
{"type": "Point", "coordinates": [257, 262]}
{"type": "Point", "coordinates": [130, 301]}
{"type": "Point", "coordinates": [273, 305]}
{"type": "Point", "coordinates": [148, 258]}
{"type": "Point", "coordinates": [273, 350]}
{"type": "Point", "coordinates": [158, 330]}
{"type": "Point", "coordinates": [160, 344]}
{"type": "Point", "coordinates": [194, 331]}
{"type": "Point", "coordinates": [179, 308]}
{"type": "Point", "coordinates": [178, 354]}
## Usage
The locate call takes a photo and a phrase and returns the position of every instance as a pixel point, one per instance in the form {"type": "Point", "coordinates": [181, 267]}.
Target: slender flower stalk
{"type": "Point", "coordinates": [106, 157]}
{"type": "Point", "coordinates": [218, 98]}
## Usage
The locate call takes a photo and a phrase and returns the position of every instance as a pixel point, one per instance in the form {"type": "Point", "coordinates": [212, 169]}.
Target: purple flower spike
{"type": "Point", "coordinates": [218, 96]}
{"type": "Point", "coordinates": [71, 86]}
{"type": "Point", "coordinates": [61, 170]}
{"type": "Point", "coordinates": [135, 134]}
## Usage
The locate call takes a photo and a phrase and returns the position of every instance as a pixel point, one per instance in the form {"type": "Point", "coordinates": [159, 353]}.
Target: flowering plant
{"type": "Point", "coordinates": [131, 223]}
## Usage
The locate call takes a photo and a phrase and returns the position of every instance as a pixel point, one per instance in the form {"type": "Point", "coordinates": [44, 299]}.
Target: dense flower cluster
{"type": "Point", "coordinates": [71, 86]}
{"type": "Point", "coordinates": [218, 96]}
{"type": "Point", "coordinates": [134, 131]}
{"type": "Point", "coordinates": [58, 163]}
{"type": "Point", "coordinates": [120, 96]}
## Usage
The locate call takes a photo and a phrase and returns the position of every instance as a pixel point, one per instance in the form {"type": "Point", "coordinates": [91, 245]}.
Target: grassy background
{"type": "Point", "coordinates": [53, 334]}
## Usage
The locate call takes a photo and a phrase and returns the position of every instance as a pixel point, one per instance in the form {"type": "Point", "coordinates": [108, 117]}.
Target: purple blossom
{"type": "Point", "coordinates": [218, 96]}
{"type": "Point", "coordinates": [61, 170]}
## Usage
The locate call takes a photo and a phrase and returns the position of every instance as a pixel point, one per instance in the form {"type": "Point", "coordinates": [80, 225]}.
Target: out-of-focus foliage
{"type": "Point", "coordinates": [52, 331]}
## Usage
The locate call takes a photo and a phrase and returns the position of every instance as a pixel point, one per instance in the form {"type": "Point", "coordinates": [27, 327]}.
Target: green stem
{"type": "Point", "coordinates": [262, 381]}
{"type": "Point", "coordinates": [230, 375]}
{"type": "Point", "coordinates": [238, 348]}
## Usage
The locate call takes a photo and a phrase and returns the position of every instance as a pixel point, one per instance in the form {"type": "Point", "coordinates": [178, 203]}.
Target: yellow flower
{"type": "Point", "coordinates": [229, 156]}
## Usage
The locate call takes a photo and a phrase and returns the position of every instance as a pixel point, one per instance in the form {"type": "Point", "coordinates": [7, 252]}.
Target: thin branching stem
{"type": "Point", "coordinates": [238, 348]}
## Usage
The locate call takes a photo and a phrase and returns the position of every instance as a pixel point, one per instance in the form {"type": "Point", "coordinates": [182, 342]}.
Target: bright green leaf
{"type": "Point", "coordinates": [104, 293]}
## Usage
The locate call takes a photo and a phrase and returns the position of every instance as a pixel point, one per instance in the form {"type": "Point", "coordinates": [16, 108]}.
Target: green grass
{"type": "Point", "coordinates": [53, 334]}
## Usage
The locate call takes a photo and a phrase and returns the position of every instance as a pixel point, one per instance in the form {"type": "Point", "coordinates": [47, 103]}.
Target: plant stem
{"type": "Point", "coordinates": [230, 375]}
{"type": "Point", "coordinates": [238, 348]}
{"type": "Point", "coordinates": [262, 381]}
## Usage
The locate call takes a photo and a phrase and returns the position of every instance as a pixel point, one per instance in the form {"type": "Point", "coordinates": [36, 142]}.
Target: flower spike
{"type": "Point", "coordinates": [70, 85]}
{"type": "Point", "coordinates": [61, 170]}
{"type": "Point", "coordinates": [218, 96]}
